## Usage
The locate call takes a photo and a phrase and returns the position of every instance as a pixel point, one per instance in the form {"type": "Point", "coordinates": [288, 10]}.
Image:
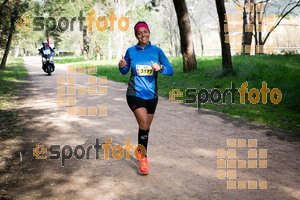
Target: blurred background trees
{"type": "Point", "coordinates": [198, 35]}
{"type": "Point", "coordinates": [10, 12]}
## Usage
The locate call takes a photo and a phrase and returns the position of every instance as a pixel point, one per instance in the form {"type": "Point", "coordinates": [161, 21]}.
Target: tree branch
{"type": "Point", "coordinates": [281, 18]}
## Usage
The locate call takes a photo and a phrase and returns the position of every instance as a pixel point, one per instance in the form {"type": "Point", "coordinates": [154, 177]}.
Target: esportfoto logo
{"type": "Point", "coordinates": [238, 156]}
{"type": "Point", "coordinates": [63, 23]}
{"type": "Point", "coordinates": [96, 86]}
{"type": "Point", "coordinates": [79, 152]}
{"type": "Point", "coordinates": [215, 95]}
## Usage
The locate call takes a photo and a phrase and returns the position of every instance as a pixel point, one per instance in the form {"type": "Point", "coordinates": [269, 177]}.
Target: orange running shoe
{"type": "Point", "coordinates": [144, 166]}
{"type": "Point", "coordinates": [139, 156]}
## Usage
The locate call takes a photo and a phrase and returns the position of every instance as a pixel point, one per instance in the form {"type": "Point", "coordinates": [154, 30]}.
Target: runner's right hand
{"type": "Point", "coordinates": [122, 62]}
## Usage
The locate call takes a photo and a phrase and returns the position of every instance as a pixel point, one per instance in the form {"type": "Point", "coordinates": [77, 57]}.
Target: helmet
{"type": "Point", "coordinates": [45, 42]}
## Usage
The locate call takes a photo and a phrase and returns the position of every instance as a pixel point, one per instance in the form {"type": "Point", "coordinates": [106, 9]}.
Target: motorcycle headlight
{"type": "Point", "coordinates": [44, 59]}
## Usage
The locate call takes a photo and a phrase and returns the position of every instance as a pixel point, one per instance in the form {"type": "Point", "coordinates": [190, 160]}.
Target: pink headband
{"type": "Point", "coordinates": [139, 26]}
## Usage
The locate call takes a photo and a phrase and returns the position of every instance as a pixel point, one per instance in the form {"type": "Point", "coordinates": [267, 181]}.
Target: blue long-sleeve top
{"type": "Point", "coordinates": [144, 87]}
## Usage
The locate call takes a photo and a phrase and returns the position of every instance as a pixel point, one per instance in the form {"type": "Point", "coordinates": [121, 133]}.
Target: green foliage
{"type": "Point", "coordinates": [9, 77]}
{"type": "Point", "coordinates": [13, 75]}
{"type": "Point", "coordinates": [30, 41]}
{"type": "Point", "coordinates": [64, 60]}
{"type": "Point", "coordinates": [62, 8]}
{"type": "Point", "coordinates": [73, 41]}
{"type": "Point", "coordinates": [10, 12]}
{"type": "Point", "coordinates": [280, 72]}
{"type": "Point", "coordinates": [153, 5]}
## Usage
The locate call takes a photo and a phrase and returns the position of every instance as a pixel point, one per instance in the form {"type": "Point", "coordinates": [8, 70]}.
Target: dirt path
{"type": "Point", "coordinates": [182, 154]}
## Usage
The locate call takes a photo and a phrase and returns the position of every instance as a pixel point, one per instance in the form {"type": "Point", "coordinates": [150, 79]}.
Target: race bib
{"type": "Point", "coordinates": [144, 70]}
{"type": "Point", "coordinates": [47, 51]}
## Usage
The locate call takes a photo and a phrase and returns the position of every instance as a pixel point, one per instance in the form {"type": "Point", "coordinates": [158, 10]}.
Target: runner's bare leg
{"type": "Point", "coordinates": [142, 118]}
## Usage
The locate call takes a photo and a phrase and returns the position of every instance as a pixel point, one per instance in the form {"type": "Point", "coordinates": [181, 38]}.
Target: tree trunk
{"type": "Point", "coordinates": [250, 22]}
{"type": "Point", "coordinates": [200, 35]}
{"type": "Point", "coordinates": [255, 28]}
{"type": "Point", "coordinates": [186, 40]}
{"type": "Point", "coordinates": [176, 44]}
{"type": "Point", "coordinates": [18, 48]}
{"type": "Point", "coordinates": [281, 17]}
{"type": "Point", "coordinates": [226, 53]}
{"type": "Point", "coordinates": [248, 19]}
{"type": "Point", "coordinates": [244, 26]}
{"type": "Point", "coordinates": [85, 45]}
{"type": "Point", "coordinates": [99, 51]}
{"type": "Point", "coordinates": [109, 46]}
{"type": "Point", "coordinates": [120, 43]}
{"type": "Point", "coordinates": [121, 33]}
{"type": "Point", "coordinates": [260, 42]}
{"type": "Point", "coordinates": [7, 48]}
{"type": "Point", "coordinates": [202, 45]}
{"type": "Point", "coordinates": [171, 39]}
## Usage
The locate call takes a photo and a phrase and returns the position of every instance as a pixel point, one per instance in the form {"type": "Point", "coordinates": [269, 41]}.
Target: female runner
{"type": "Point", "coordinates": [145, 61]}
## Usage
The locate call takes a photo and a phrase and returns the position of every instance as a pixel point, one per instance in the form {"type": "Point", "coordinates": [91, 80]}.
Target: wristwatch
{"type": "Point", "coordinates": [162, 67]}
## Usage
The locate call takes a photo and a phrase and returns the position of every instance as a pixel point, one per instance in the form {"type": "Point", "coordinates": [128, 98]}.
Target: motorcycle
{"type": "Point", "coordinates": [48, 60]}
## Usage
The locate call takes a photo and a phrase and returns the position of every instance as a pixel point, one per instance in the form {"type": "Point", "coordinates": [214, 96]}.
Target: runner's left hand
{"type": "Point", "coordinates": [155, 66]}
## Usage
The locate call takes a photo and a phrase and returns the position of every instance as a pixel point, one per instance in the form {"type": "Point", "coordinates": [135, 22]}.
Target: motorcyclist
{"type": "Point", "coordinates": [45, 47]}
{"type": "Point", "coordinates": [46, 51]}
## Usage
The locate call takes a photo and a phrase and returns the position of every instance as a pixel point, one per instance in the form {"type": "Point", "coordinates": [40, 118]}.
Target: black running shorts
{"type": "Point", "coordinates": [136, 102]}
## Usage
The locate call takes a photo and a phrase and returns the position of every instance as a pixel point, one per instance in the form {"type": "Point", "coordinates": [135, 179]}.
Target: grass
{"type": "Point", "coordinates": [64, 60]}
{"type": "Point", "coordinates": [10, 77]}
{"type": "Point", "coordinates": [279, 71]}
